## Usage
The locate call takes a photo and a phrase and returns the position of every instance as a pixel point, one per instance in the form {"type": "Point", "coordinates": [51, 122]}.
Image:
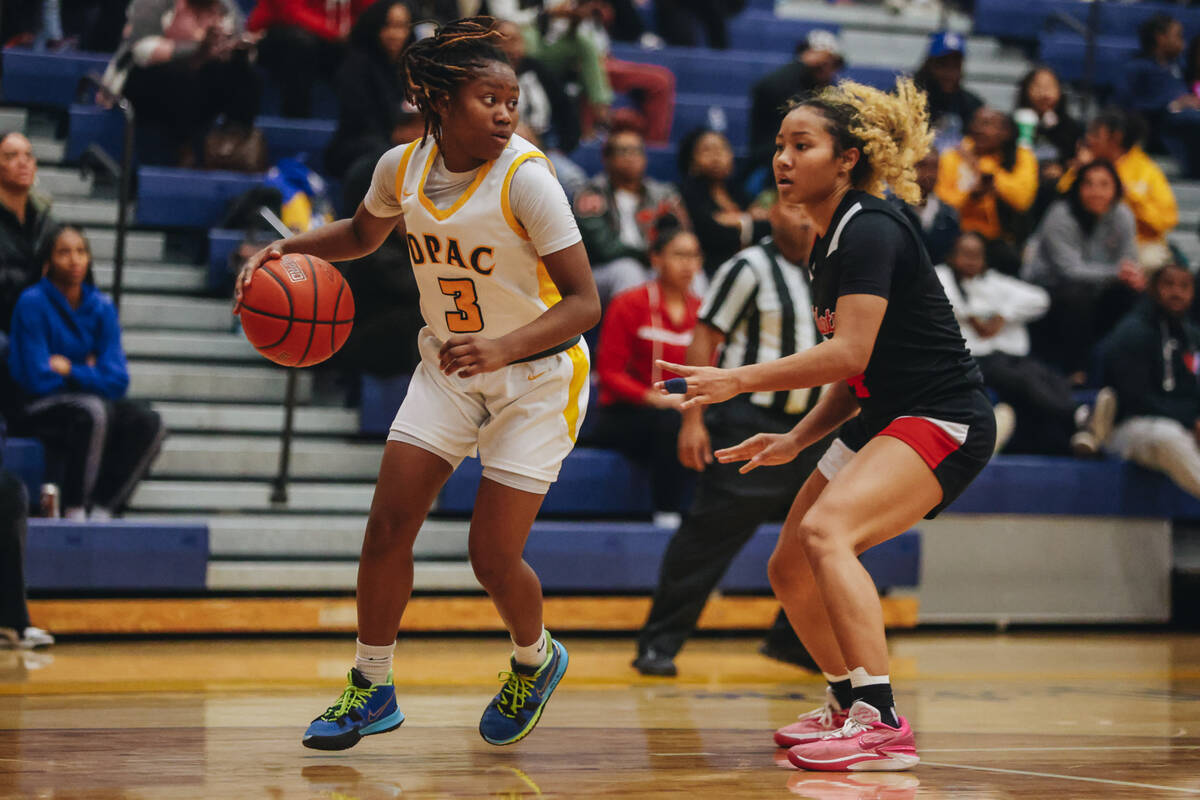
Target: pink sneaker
{"type": "Point", "coordinates": [863, 744]}
{"type": "Point", "coordinates": [813, 724]}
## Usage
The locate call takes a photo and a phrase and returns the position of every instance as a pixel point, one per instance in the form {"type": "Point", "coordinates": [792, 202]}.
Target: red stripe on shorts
{"type": "Point", "coordinates": [931, 442]}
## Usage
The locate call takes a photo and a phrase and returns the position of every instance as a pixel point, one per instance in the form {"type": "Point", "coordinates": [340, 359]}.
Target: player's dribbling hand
{"type": "Point", "coordinates": [761, 450]}
{"type": "Point", "coordinates": [273, 250]}
{"type": "Point", "coordinates": [470, 354]}
{"type": "Point", "coordinates": [704, 384]}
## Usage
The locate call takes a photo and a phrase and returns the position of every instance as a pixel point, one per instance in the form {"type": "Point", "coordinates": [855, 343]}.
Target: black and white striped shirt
{"type": "Point", "coordinates": [760, 301]}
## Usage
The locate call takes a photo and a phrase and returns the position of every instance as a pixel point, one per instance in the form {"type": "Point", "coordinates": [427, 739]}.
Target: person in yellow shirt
{"type": "Point", "coordinates": [991, 182]}
{"type": "Point", "coordinates": [1114, 136]}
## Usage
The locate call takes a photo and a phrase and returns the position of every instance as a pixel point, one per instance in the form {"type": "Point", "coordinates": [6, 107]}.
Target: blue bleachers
{"type": "Point", "coordinates": [116, 556]}
{"type": "Point", "coordinates": [1066, 53]}
{"type": "Point", "coordinates": [171, 197]}
{"type": "Point", "coordinates": [703, 71]}
{"type": "Point", "coordinates": [625, 557]}
{"type": "Point", "coordinates": [762, 31]}
{"type": "Point", "coordinates": [47, 79]}
{"type": "Point", "coordinates": [1026, 19]}
{"type": "Point", "coordinates": [286, 138]}
{"type": "Point", "coordinates": [27, 460]}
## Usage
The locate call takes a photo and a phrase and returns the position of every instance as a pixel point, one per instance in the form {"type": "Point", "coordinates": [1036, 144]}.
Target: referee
{"type": "Point", "coordinates": [758, 308]}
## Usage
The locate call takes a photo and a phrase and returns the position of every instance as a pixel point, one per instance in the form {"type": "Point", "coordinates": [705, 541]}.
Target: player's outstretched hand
{"type": "Point", "coordinates": [761, 450]}
{"type": "Point", "coordinates": [705, 385]}
{"type": "Point", "coordinates": [273, 250]}
{"type": "Point", "coordinates": [470, 354]}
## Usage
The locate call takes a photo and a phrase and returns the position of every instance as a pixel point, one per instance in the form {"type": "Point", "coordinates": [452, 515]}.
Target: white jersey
{"type": "Point", "coordinates": [476, 267]}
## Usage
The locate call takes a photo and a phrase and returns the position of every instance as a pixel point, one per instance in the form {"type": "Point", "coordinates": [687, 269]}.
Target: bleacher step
{"type": "Point", "coordinates": [308, 576]}
{"type": "Point", "coordinates": [139, 245]}
{"type": "Point", "coordinates": [871, 17]}
{"type": "Point", "coordinates": [178, 313]}
{"type": "Point", "coordinates": [13, 118]}
{"type": "Point", "coordinates": [311, 537]}
{"type": "Point", "coordinates": [63, 182]}
{"type": "Point", "coordinates": [257, 457]}
{"type": "Point", "coordinates": [172, 278]}
{"type": "Point", "coordinates": [250, 496]}
{"type": "Point", "coordinates": [192, 345]}
{"type": "Point", "coordinates": [82, 211]}
{"type": "Point", "coordinates": [186, 417]}
{"type": "Point", "coordinates": [170, 381]}
{"type": "Point", "coordinates": [46, 149]}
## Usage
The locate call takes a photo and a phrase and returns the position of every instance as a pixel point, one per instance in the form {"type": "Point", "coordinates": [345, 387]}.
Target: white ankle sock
{"type": "Point", "coordinates": [836, 678]}
{"type": "Point", "coordinates": [533, 655]}
{"type": "Point", "coordinates": [859, 677]}
{"type": "Point", "coordinates": [374, 661]}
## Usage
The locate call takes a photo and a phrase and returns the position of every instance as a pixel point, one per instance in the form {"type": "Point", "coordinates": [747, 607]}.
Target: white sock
{"type": "Point", "coordinates": [533, 655]}
{"type": "Point", "coordinates": [77, 514]}
{"type": "Point", "coordinates": [100, 514]}
{"type": "Point", "coordinates": [374, 661]}
{"type": "Point", "coordinates": [836, 678]}
{"type": "Point", "coordinates": [859, 677]}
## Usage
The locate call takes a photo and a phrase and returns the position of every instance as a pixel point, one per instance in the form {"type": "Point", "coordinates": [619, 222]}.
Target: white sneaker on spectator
{"type": "Point", "coordinates": [1089, 440]}
{"type": "Point", "coordinates": [99, 514]}
{"type": "Point", "coordinates": [75, 514]}
{"type": "Point", "coordinates": [35, 637]}
{"type": "Point", "coordinates": [1006, 423]}
{"type": "Point", "coordinates": [667, 519]}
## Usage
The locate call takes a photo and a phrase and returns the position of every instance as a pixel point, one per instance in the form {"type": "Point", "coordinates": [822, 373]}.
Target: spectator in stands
{"type": "Point", "coordinates": [756, 309]}
{"type": "Point", "coordinates": [1191, 67]}
{"type": "Point", "coordinates": [991, 181]}
{"type": "Point", "coordinates": [677, 20]}
{"type": "Point", "coordinates": [545, 109]}
{"type": "Point", "coordinates": [373, 115]}
{"type": "Point", "coordinates": [1151, 360]}
{"type": "Point", "coordinates": [818, 60]}
{"type": "Point", "coordinates": [724, 218]}
{"type": "Point", "coordinates": [1058, 133]}
{"type": "Point", "coordinates": [934, 220]}
{"type": "Point", "coordinates": [617, 211]}
{"type": "Point", "coordinates": [563, 35]}
{"type": "Point", "coordinates": [183, 64]}
{"type": "Point", "coordinates": [1085, 253]}
{"type": "Point", "coordinates": [66, 355]}
{"type": "Point", "coordinates": [15, 627]}
{"type": "Point", "coordinates": [642, 325]}
{"type": "Point", "coordinates": [1115, 136]}
{"type": "Point", "coordinates": [1153, 85]}
{"type": "Point", "coordinates": [993, 310]}
{"type": "Point", "coordinates": [304, 43]}
{"type": "Point", "coordinates": [24, 222]}
{"type": "Point", "coordinates": [951, 106]}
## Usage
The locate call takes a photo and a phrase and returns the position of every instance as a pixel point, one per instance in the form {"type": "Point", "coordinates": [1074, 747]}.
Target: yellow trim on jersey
{"type": "Point", "coordinates": [547, 290]}
{"type": "Point", "coordinates": [438, 214]}
{"type": "Point", "coordinates": [505, 206]}
{"type": "Point", "coordinates": [408, 151]}
{"type": "Point", "coordinates": [579, 375]}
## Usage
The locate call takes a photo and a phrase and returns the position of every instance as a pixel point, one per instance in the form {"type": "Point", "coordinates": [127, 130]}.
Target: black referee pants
{"type": "Point", "coordinates": [727, 511]}
{"type": "Point", "coordinates": [14, 509]}
{"type": "Point", "coordinates": [97, 449]}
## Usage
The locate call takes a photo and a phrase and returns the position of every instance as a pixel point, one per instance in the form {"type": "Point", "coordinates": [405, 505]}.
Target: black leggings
{"type": "Point", "coordinates": [1041, 397]}
{"type": "Point", "coordinates": [96, 449]}
{"type": "Point", "coordinates": [14, 508]}
{"type": "Point", "coordinates": [649, 436]}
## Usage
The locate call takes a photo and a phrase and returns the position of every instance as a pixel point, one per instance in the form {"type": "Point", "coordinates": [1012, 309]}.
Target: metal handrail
{"type": "Point", "coordinates": [279, 486]}
{"type": "Point", "coordinates": [1089, 32]}
{"type": "Point", "coordinates": [123, 179]}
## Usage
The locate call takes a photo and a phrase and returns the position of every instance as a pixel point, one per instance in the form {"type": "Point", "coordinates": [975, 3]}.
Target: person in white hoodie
{"type": "Point", "coordinates": [993, 310]}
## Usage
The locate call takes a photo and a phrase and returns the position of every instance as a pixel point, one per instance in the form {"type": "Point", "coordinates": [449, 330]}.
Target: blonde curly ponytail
{"type": "Point", "coordinates": [891, 130]}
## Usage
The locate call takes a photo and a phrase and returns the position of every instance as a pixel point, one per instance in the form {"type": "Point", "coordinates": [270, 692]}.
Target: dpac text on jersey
{"type": "Point", "coordinates": [431, 248]}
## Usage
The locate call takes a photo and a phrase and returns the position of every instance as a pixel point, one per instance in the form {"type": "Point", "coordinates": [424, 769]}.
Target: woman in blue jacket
{"type": "Point", "coordinates": [66, 355]}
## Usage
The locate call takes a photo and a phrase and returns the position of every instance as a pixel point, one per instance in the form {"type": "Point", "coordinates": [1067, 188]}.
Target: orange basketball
{"type": "Point", "coordinates": [297, 310]}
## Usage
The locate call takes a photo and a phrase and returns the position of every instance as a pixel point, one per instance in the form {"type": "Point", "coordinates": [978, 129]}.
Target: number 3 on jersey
{"type": "Point", "coordinates": [467, 318]}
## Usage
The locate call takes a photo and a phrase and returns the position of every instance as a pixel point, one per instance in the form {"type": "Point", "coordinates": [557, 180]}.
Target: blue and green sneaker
{"type": "Point", "coordinates": [363, 709]}
{"type": "Point", "coordinates": [514, 712]}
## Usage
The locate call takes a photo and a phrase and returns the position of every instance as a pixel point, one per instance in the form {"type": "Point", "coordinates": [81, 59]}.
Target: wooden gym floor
{"type": "Point", "coordinates": [1078, 715]}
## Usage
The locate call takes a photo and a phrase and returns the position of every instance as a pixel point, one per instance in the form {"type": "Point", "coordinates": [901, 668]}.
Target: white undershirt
{"type": "Point", "coordinates": [537, 199]}
{"type": "Point", "coordinates": [627, 206]}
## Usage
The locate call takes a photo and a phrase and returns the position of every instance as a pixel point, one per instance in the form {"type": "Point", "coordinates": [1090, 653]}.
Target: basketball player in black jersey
{"type": "Point", "coordinates": [916, 426]}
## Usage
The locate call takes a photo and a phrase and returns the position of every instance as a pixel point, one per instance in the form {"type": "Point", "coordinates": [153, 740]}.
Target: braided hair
{"type": "Point", "coordinates": [436, 66]}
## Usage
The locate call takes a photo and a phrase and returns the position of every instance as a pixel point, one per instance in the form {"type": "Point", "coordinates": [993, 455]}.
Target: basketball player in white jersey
{"type": "Point", "coordinates": [506, 291]}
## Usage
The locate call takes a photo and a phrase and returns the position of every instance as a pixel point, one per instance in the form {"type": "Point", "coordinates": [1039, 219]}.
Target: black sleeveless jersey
{"type": "Point", "coordinates": [919, 356]}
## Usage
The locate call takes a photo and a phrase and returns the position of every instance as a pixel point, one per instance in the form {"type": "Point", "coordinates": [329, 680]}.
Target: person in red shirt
{"type": "Point", "coordinates": [304, 43]}
{"type": "Point", "coordinates": [642, 325]}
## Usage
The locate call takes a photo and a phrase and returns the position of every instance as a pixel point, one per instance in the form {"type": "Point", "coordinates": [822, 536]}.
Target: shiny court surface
{"type": "Point", "coordinates": [997, 716]}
